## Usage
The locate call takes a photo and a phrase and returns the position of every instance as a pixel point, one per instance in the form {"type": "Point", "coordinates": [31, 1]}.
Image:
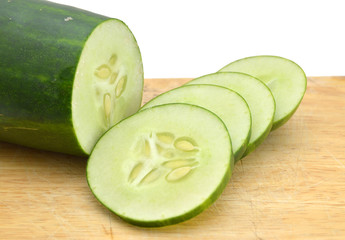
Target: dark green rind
{"type": "Point", "coordinates": [192, 213]}
{"type": "Point", "coordinates": [250, 147]}
{"type": "Point", "coordinates": [241, 151]}
{"type": "Point", "coordinates": [39, 53]}
{"type": "Point", "coordinates": [282, 121]}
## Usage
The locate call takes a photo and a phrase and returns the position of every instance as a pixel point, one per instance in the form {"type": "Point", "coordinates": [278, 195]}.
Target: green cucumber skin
{"type": "Point", "coordinates": [40, 48]}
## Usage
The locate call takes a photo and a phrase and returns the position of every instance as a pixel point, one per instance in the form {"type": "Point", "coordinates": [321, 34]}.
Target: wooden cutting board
{"type": "Point", "coordinates": [291, 187]}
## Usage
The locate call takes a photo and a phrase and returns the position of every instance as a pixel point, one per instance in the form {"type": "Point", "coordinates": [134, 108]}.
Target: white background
{"type": "Point", "coordinates": [190, 38]}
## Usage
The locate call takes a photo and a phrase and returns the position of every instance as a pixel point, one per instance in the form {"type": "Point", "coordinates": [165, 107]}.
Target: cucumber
{"type": "Point", "coordinates": [66, 75]}
{"type": "Point", "coordinates": [227, 104]}
{"type": "Point", "coordinates": [286, 80]}
{"type": "Point", "coordinates": [162, 165]}
{"type": "Point", "coordinates": [257, 95]}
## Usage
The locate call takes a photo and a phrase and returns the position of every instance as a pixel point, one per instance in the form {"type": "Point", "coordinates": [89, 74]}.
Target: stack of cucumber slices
{"type": "Point", "coordinates": [172, 159]}
{"type": "Point", "coordinates": [70, 81]}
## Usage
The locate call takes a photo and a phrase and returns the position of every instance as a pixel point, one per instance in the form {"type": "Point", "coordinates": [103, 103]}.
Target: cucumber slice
{"type": "Point", "coordinates": [286, 80]}
{"type": "Point", "coordinates": [66, 75]}
{"type": "Point", "coordinates": [161, 165]}
{"type": "Point", "coordinates": [227, 104]}
{"type": "Point", "coordinates": [256, 94]}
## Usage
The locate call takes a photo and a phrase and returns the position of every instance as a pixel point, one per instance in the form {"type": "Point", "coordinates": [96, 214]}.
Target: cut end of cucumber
{"type": "Point", "coordinates": [108, 82]}
{"type": "Point", "coordinates": [153, 172]}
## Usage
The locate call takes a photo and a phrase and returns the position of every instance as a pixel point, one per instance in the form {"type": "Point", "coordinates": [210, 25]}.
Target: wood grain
{"type": "Point", "coordinates": [291, 187]}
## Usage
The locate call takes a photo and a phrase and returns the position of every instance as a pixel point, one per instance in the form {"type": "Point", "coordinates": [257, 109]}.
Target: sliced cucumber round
{"type": "Point", "coordinates": [227, 104]}
{"type": "Point", "coordinates": [285, 78]}
{"type": "Point", "coordinates": [108, 83]}
{"type": "Point", "coordinates": [161, 165]}
{"type": "Point", "coordinates": [256, 94]}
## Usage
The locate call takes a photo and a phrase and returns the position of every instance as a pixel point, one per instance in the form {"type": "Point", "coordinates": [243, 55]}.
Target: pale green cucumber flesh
{"type": "Point", "coordinates": [225, 103]}
{"type": "Point", "coordinates": [108, 82]}
{"type": "Point", "coordinates": [161, 165]}
{"type": "Point", "coordinates": [255, 93]}
{"type": "Point", "coordinates": [286, 80]}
